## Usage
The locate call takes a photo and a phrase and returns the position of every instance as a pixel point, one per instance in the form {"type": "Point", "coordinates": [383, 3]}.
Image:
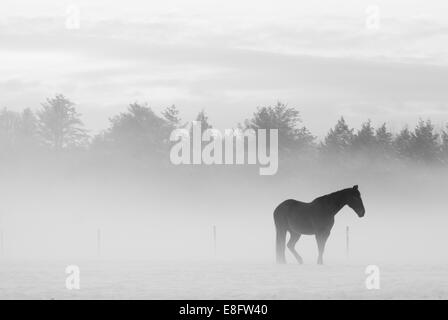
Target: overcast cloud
{"type": "Point", "coordinates": [229, 57]}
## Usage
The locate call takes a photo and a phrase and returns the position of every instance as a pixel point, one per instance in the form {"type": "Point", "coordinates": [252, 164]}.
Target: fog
{"type": "Point", "coordinates": [55, 211]}
{"type": "Point", "coordinates": [89, 93]}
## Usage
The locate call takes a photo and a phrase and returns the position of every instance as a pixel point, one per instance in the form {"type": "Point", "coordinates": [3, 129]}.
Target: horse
{"type": "Point", "coordinates": [313, 218]}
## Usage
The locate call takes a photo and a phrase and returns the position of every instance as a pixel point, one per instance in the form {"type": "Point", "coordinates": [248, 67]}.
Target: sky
{"type": "Point", "coordinates": [381, 60]}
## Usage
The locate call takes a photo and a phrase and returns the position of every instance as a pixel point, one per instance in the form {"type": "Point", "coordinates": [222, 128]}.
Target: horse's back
{"type": "Point", "coordinates": [289, 204]}
{"type": "Point", "coordinates": [284, 209]}
{"type": "Point", "coordinates": [294, 215]}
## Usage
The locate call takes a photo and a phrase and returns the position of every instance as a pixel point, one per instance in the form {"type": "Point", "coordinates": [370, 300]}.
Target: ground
{"type": "Point", "coordinates": [217, 280]}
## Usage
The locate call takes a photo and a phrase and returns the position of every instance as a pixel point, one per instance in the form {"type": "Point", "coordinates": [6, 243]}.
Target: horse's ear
{"type": "Point", "coordinates": [355, 187]}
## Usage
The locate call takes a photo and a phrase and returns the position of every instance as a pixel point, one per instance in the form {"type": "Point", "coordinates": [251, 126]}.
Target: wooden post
{"type": "Point", "coordinates": [98, 240]}
{"type": "Point", "coordinates": [347, 241]}
{"type": "Point", "coordinates": [2, 244]}
{"type": "Point", "coordinates": [214, 240]}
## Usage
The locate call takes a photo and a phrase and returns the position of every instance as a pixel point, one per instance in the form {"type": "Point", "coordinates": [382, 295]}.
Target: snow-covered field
{"type": "Point", "coordinates": [217, 280]}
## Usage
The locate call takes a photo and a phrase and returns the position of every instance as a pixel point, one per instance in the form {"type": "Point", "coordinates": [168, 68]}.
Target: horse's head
{"type": "Point", "coordinates": [354, 201]}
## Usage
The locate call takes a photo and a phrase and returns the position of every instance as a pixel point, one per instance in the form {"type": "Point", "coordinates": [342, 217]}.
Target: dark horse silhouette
{"type": "Point", "coordinates": [316, 217]}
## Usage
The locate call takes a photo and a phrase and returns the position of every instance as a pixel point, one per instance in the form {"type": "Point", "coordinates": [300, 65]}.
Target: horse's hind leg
{"type": "Point", "coordinates": [280, 245]}
{"type": "Point", "coordinates": [291, 246]}
{"type": "Point", "coordinates": [321, 240]}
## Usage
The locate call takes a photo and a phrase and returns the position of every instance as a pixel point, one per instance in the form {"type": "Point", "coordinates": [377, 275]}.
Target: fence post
{"type": "Point", "coordinates": [214, 240]}
{"type": "Point", "coordinates": [98, 242]}
{"type": "Point", "coordinates": [347, 241]}
{"type": "Point", "coordinates": [2, 244]}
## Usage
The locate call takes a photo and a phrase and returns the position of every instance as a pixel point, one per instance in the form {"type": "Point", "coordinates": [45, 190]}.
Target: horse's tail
{"type": "Point", "coordinates": [280, 228]}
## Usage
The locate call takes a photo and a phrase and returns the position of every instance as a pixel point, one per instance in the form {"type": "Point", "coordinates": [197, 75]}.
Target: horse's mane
{"type": "Point", "coordinates": [332, 195]}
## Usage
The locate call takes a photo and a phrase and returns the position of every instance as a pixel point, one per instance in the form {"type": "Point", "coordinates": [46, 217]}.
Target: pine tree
{"type": "Point", "coordinates": [402, 144]}
{"type": "Point", "coordinates": [291, 136]}
{"type": "Point", "coordinates": [9, 126]}
{"type": "Point", "coordinates": [424, 142]}
{"type": "Point", "coordinates": [171, 114]}
{"type": "Point", "coordinates": [138, 130]}
{"type": "Point", "coordinates": [444, 147]}
{"type": "Point", "coordinates": [383, 139]}
{"type": "Point", "coordinates": [364, 140]}
{"type": "Point", "coordinates": [60, 125]}
{"type": "Point", "coordinates": [202, 118]}
{"type": "Point", "coordinates": [339, 139]}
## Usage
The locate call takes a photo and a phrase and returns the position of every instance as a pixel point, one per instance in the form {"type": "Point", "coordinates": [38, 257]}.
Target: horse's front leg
{"type": "Point", "coordinates": [321, 239]}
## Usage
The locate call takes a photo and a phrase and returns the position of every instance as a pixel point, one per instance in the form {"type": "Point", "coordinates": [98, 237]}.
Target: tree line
{"type": "Point", "coordinates": [139, 131]}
